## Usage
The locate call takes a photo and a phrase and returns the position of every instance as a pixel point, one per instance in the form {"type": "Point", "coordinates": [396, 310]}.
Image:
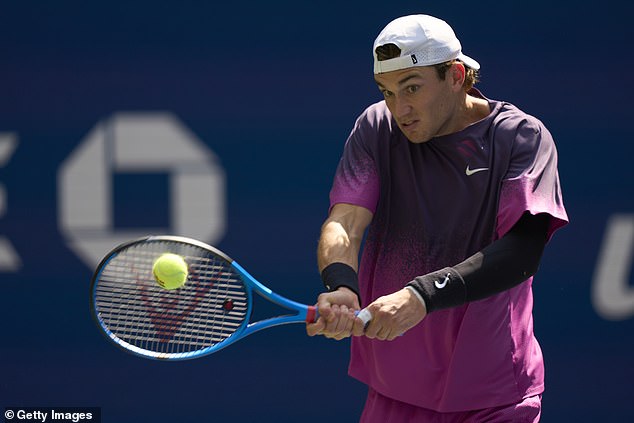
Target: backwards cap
{"type": "Point", "coordinates": [423, 40]}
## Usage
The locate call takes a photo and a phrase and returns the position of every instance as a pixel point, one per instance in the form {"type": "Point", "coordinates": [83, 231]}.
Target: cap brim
{"type": "Point", "coordinates": [473, 64]}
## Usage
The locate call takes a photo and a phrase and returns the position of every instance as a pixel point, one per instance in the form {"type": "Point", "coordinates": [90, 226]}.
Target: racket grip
{"type": "Point", "coordinates": [365, 316]}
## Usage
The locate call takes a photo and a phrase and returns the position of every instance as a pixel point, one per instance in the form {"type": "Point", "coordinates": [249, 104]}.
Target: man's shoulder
{"type": "Point", "coordinates": [509, 117]}
{"type": "Point", "coordinates": [520, 133]}
{"type": "Point", "coordinates": [376, 112]}
{"type": "Point", "coordinates": [375, 121]}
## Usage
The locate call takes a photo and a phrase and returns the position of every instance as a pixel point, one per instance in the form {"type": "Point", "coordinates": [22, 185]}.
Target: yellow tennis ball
{"type": "Point", "coordinates": [170, 271]}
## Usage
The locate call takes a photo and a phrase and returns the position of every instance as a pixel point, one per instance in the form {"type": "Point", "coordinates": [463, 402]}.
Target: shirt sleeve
{"type": "Point", "coordinates": [357, 179]}
{"type": "Point", "coordinates": [531, 183]}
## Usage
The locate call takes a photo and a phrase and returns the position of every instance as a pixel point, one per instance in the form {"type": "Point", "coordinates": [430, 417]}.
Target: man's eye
{"type": "Point", "coordinates": [412, 89]}
{"type": "Point", "coordinates": [386, 93]}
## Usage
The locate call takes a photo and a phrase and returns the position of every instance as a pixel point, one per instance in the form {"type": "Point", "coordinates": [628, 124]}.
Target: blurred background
{"type": "Point", "coordinates": [224, 121]}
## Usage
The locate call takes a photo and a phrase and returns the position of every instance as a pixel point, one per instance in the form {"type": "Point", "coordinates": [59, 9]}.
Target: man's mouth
{"type": "Point", "coordinates": [408, 123]}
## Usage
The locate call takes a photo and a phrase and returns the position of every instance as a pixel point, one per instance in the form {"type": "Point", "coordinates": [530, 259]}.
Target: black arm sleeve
{"type": "Point", "coordinates": [502, 265]}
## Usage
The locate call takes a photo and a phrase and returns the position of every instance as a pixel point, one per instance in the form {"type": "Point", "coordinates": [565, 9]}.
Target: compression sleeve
{"type": "Point", "coordinates": [502, 265]}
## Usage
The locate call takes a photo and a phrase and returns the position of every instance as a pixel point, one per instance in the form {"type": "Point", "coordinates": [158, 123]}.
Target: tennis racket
{"type": "Point", "coordinates": [211, 311]}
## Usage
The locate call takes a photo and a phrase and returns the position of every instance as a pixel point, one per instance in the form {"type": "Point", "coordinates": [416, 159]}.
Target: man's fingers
{"type": "Point", "coordinates": [316, 328]}
{"type": "Point", "coordinates": [337, 317]}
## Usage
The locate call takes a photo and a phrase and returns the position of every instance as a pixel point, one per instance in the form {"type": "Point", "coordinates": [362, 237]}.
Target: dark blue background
{"type": "Point", "coordinates": [273, 89]}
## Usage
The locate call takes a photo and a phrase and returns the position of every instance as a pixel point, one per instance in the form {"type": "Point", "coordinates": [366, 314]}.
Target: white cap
{"type": "Point", "coordinates": [423, 40]}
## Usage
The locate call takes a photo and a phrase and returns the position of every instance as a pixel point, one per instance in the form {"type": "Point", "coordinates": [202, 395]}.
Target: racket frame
{"type": "Point", "coordinates": [303, 313]}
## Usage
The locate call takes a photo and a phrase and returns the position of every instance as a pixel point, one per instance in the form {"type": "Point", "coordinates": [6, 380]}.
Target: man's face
{"type": "Point", "coordinates": [422, 104]}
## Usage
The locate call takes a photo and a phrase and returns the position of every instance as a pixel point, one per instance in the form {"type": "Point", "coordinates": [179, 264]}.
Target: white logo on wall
{"type": "Point", "coordinates": [9, 259]}
{"type": "Point", "coordinates": [612, 295]}
{"type": "Point", "coordinates": [139, 143]}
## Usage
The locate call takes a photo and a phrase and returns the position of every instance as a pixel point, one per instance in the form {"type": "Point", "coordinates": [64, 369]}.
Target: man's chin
{"type": "Point", "coordinates": [417, 140]}
{"type": "Point", "coordinates": [415, 137]}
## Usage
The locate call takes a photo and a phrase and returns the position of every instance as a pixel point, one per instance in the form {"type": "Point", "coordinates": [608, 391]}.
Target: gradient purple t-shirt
{"type": "Point", "coordinates": [434, 205]}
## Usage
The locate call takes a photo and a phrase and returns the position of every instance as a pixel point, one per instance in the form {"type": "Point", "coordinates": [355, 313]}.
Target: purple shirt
{"type": "Point", "coordinates": [434, 205]}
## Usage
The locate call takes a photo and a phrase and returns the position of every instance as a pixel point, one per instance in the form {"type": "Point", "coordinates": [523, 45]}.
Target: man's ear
{"type": "Point", "coordinates": [457, 73]}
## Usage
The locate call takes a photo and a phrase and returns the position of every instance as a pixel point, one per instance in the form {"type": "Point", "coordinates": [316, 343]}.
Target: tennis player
{"type": "Point", "coordinates": [459, 195]}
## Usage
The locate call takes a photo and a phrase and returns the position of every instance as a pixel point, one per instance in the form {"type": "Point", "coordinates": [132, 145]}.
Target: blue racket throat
{"type": "Point", "coordinates": [305, 314]}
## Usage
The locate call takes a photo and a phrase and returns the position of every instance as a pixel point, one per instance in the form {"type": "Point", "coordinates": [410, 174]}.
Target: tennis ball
{"type": "Point", "coordinates": [170, 271]}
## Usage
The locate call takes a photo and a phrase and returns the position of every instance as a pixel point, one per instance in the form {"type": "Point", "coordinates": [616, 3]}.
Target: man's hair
{"type": "Point", "coordinates": [391, 51]}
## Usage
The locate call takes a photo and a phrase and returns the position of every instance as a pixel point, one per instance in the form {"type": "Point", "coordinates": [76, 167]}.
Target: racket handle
{"type": "Point", "coordinates": [312, 314]}
{"type": "Point", "coordinates": [365, 316]}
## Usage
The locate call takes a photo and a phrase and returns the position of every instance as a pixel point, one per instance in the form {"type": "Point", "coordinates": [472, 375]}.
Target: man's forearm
{"type": "Point", "coordinates": [339, 246]}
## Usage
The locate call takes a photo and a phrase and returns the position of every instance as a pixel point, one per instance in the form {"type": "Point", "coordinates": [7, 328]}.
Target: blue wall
{"type": "Point", "coordinates": [268, 92]}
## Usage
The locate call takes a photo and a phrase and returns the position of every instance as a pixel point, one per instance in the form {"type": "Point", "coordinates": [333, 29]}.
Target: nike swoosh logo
{"type": "Point", "coordinates": [470, 172]}
{"type": "Point", "coordinates": [441, 285]}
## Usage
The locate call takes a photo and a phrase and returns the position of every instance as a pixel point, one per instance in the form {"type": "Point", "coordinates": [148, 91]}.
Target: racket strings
{"type": "Point", "coordinates": [136, 311]}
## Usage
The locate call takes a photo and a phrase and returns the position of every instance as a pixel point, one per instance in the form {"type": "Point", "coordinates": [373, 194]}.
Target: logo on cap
{"type": "Point", "coordinates": [414, 59]}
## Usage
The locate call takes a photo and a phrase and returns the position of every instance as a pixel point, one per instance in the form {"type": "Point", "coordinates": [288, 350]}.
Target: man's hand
{"type": "Point", "coordinates": [394, 314]}
{"type": "Point", "coordinates": [336, 314]}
